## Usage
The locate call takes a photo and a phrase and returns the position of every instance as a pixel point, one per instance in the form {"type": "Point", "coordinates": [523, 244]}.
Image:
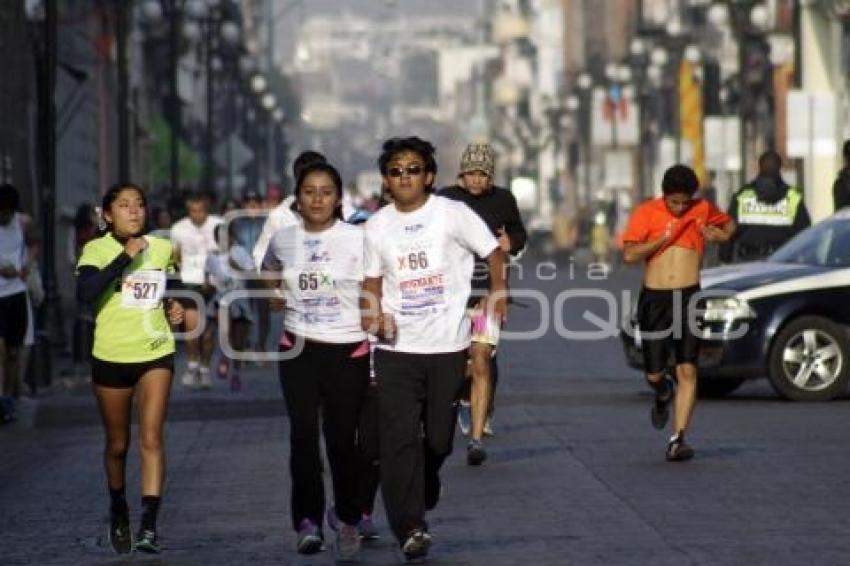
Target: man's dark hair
{"type": "Point", "coordinates": [679, 179]}
{"type": "Point", "coordinates": [198, 196]}
{"type": "Point", "coordinates": [770, 162]}
{"type": "Point", "coordinates": [846, 150]}
{"type": "Point", "coordinates": [9, 197]}
{"type": "Point", "coordinates": [394, 146]}
{"type": "Point", "coordinates": [304, 159]}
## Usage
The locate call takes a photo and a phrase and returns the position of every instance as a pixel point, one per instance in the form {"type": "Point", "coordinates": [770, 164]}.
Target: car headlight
{"type": "Point", "coordinates": [727, 309]}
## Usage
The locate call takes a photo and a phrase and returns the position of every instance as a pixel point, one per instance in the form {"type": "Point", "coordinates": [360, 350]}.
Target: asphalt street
{"type": "Point", "coordinates": [576, 473]}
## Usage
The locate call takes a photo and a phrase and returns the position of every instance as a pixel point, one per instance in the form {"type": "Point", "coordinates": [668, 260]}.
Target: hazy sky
{"type": "Point", "coordinates": [337, 144]}
{"type": "Point", "coordinates": [378, 9]}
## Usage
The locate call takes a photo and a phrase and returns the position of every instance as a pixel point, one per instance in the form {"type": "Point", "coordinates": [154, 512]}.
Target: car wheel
{"type": "Point", "coordinates": [715, 388]}
{"type": "Point", "coordinates": [809, 360]}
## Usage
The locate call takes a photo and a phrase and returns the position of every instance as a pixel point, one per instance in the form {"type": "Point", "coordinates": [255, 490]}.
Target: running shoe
{"type": "Point", "coordinates": [204, 380]}
{"type": "Point", "coordinates": [366, 526]}
{"type": "Point", "coordinates": [415, 548]}
{"type": "Point", "coordinates": [309, 538]}
{"type": "Point", "coordinates": [488, 427]}
{"type": "Point", "coordinates": [189, 377]}
{"type": "Point", "coordinates": [464, 417]}
{"type": "Point", "coordinates": [119, 532]}
{"type": "Point", "coordinates": [475, 453]}
{"type": "Point", "coordinates": [223, 368]}
{"type": "Point", "coordinates": [433, 489]}
{"type": "Point", "coordinates": [678, 450]}
{"type": "Point", "coordinates": [146, 542]}
{"type": "Point", "coordinates": [332, 519]}
{"type": "Point", "coordinates": [660, 412]}
{"type": "Point", "coordinates": [235, 382]}
{"type": "Point", "coordinates": [347, 543]}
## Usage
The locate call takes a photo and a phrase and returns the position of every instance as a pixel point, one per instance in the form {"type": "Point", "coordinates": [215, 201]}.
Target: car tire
{"type": "Point", "coordinates": [716, 388]}
{"type": "Point", "coordinates": [810, 360]}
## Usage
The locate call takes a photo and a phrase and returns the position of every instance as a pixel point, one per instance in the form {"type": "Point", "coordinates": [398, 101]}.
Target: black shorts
{"type": "Point", "coordinates": [114, 374]}
{"type": "Point", "coordinates": [191, 303]}
{"type": "Point", "coordinates": [14, 317]}
{"type": "Point", "coordinates": [655, 314]}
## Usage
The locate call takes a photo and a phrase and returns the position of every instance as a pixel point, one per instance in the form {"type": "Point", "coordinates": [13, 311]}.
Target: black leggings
{"type": "Point", "coordinates": [368, 443]}
{"type": "Point", "coordinates": [324, 379]}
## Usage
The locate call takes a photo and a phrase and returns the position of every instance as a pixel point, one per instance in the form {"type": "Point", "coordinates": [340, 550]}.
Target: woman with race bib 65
{"type": "Point", "coordinates": [318, 265]}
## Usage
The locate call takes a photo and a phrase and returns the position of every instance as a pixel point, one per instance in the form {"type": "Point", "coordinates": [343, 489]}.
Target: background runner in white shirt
{"type": "Point", "coordinates": [282, 215]}
{"type": "Point", "coordinates": [17, 258]}
{"type": "Point", "coordinates": [319, 261]}
{"type": "Point", "coordinates": [227, 271]}
{"type": "Point", "coordinates": [419, 260]}
{"type": "Point", "coordinates": [193, 239]}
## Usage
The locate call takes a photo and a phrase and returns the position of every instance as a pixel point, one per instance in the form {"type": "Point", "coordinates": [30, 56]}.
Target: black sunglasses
{"type": "Point", "coordinates": [412, 170]}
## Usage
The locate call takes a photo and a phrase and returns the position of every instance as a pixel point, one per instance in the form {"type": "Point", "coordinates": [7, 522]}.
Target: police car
{"type": "Point", "coordinates": [786, 318]}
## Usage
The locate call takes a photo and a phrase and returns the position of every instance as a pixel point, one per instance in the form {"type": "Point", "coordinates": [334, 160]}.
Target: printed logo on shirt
{"type": "Point", "coordinates": [160, 340]}
{"type": "Point", "coordinates": [413, 228]}
{"type": "Point", "coordinates": [423, 294]}
{"type": "Point", "coordinates": [312, 243]}
{"type": "Point", "coordinates": [319, 257]}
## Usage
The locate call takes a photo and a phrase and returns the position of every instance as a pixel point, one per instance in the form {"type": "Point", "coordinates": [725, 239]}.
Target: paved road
{"type": "Point", "coordinates": [576, 474]}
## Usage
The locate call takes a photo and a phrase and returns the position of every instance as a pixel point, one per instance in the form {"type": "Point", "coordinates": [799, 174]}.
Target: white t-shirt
{"type": "Point", "coordinates": [426, 258]}
{"type": "Point", "coordinates": [193, 244]}
{"type": "Point", "coordinates": [280, 217]}
{"type": "Point", "coordinates": [13, 253]}
{"type": "Point", "coordinates": [322, 274]}
{"type": "Point", "coordinates": [222, 274]}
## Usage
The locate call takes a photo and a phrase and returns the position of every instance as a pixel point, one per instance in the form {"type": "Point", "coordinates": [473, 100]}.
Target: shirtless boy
{"type": "Point", "coordinates": [669, 233]}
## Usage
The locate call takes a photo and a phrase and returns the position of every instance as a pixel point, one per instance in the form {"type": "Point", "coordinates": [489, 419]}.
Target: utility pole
{"type": "Point", "coordinates": [121, 25]}
{"type": "Point", "coordinates": [174, 96]}
{"type": "Point", "coordinates": [271, 164]}
{"type": "Point", "coordinates": [50, 329]}
{"type": "Point", "coordinates": [209, 165]}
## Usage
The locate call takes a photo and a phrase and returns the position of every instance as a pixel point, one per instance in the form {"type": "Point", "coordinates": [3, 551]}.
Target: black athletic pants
{"type": "Point", "coordinates": [417, 395]}
{"type": "Point", "coordinates": [324, 378]}
{"type": "Point", "coordinates": [368, 443]}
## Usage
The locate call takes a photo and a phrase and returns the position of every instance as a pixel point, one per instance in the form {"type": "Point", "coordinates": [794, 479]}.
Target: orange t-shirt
{"type": "Point", "coordinates": [652, 218]}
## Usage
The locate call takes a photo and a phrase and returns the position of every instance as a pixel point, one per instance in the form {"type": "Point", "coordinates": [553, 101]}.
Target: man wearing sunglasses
{"type": "Point", "coordinates": [419, 259]}
{"type": "Point", "coordinates": [497, 207]}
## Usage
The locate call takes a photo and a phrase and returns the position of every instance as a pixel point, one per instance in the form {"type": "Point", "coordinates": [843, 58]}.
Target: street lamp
{"type": "Point", "coordinates": [259, 83]}
{"type": "Point", "coordinates": [216, 23]}
{"type": "Point", "coordinates": [693, 55]}
{"type": "Point", "coordinates": [154, 12]}
{"type": "Point", "coordinates": [748, 21]}
{"type": "Point", "coordinates": [584, 82]}
{"type": "Point", "coordinates": [269, 101]}
{"type": "Point", "coordinates": [193, 20]}
{"type": "Point", "coordinates": [659, 57]}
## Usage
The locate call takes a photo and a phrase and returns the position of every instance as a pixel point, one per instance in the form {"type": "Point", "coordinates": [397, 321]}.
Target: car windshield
{"type": "Point", "coordinates": [826, 244]}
